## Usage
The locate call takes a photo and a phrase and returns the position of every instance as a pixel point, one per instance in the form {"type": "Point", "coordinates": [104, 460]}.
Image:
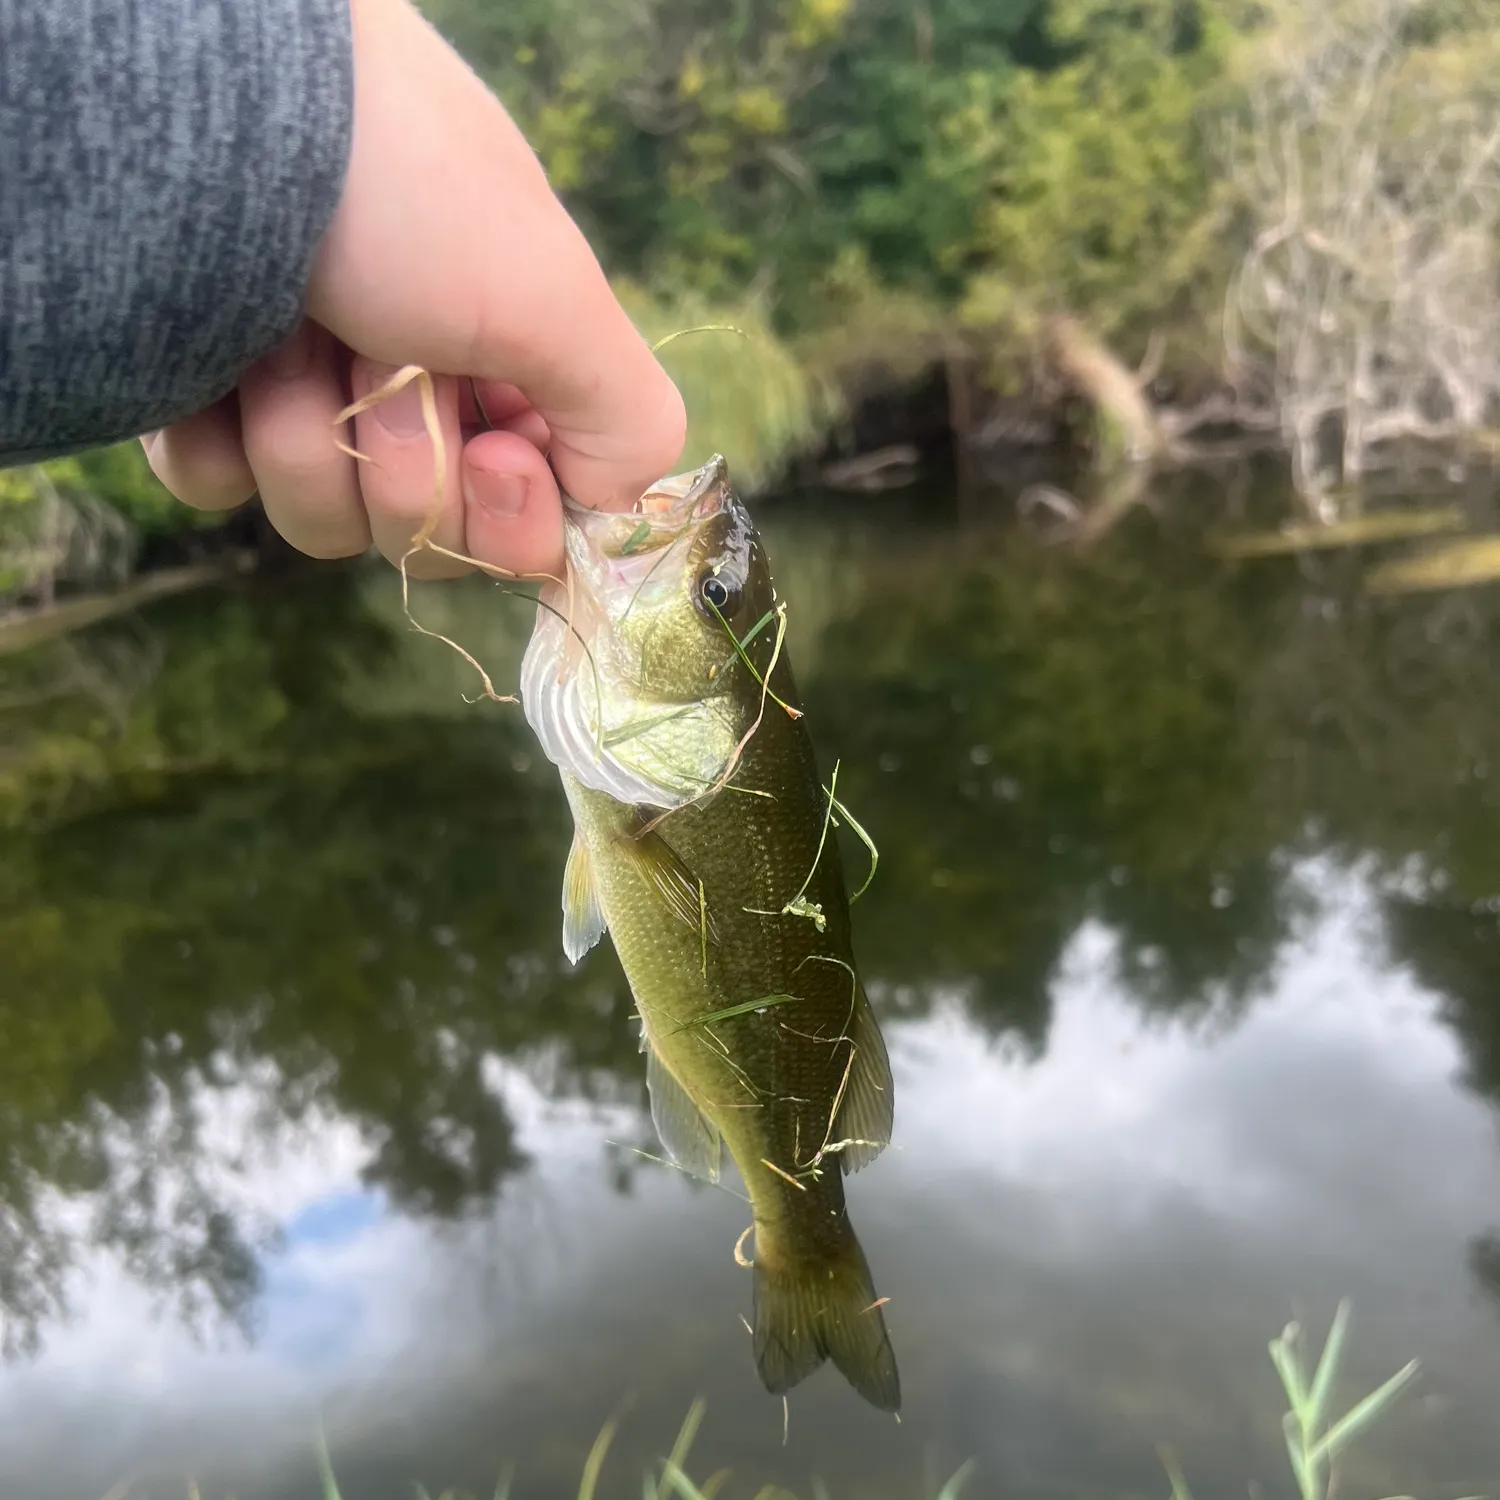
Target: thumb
{"type": "Point", "coordinates": [450, 250]}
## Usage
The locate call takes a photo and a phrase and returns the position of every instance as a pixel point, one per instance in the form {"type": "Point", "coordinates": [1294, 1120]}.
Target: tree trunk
{"type": "Point", "coordinates": [1128, 426]}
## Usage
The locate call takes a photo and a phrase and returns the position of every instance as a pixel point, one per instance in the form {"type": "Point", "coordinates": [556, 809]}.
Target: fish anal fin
{"type": "Point", "coordinates": [583, 917]}
{"type": "Point", "coordinates": [689, 1138]}
{"type": "Point", "coordinates": [866, 1114]}
{"type": "Point", "coordinates": [660, 866]}
{"type": "Point", "coordinates": [821, 1308]}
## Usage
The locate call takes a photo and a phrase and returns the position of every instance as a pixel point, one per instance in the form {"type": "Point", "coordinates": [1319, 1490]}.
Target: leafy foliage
{"type": "Point", "coordinates": [1103, 203]}
{"type": "Point", "coordinates": [1057, 149]}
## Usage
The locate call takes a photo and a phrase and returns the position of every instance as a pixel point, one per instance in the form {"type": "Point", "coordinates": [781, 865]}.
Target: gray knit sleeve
{"type": "Point", "coordinates": [166, 170]}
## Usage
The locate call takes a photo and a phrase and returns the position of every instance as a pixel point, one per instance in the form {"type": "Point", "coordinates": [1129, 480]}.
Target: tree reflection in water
{"type": "Point", "coordinates": [291, 856]}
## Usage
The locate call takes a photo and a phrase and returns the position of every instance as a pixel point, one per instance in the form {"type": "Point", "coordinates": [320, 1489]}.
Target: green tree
{"type": "Point", "coordinates": [706, 150]}
{"type": "Point", "coordinates": [1103, 204]}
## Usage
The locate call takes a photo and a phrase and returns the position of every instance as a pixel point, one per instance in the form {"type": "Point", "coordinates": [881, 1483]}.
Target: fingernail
{"type": "Point", "coordinates": [291, 357]}
{"type": "Point", "coordinates": [400, 414]}
{"type": "Point", "coordinates": [500, 494]}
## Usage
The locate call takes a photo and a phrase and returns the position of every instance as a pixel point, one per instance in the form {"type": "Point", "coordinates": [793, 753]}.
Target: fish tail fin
{"type": "Point", "coordinates": [816, 1308]}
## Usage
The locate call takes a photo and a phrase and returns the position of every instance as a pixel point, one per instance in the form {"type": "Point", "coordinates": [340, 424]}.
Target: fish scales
{"type": "Point", "coordinates": [700, 818]}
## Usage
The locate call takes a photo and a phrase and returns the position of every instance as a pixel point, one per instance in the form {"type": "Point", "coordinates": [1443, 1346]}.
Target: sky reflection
{"type": "Point", "coordinates": [1086, 1252]}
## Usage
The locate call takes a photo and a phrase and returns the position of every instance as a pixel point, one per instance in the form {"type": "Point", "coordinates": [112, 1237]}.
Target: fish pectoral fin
{"type": "Point", "coordinates": [583, 917]}
{"type": "Point", "coordinates": [867, 1111]}
{"type": "Point", "coordinates": [661, 867]}
{"type": "Point", "coordinates": [690, 1139]}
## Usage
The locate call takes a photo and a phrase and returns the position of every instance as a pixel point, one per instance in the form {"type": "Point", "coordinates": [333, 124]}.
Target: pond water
{"type": "Point", "coordinates": [1184, 938]}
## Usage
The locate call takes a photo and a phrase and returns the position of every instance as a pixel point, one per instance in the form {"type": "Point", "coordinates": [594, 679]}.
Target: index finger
{"type": "Point", "coordinates": [616, 419]}
{"type": "Point", "coordinates": [466, 263]}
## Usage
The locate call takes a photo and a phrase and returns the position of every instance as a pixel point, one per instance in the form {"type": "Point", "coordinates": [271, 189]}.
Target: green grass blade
{"type": "Point", "coordinates": [1361, 1415]}
{"type": "Point", "coordinates": [1303, 1472]}
{"type": "Point", "coordinates": [1177, 1478]}
{"type": "Point", "coordinates": [325, 1469]}
{"type": "Point", "coordinates": [595, 1461]}
{"type": "Point", "coordinates": [956, 1482]}
{"type": "Point", "coordinates": [672, 337]}
{"type": "Point", "coordinates": [685, 1435]}
{"type": "Point", "coordinates": [1288, 1366]}
{"type": "Point", "coordinates": [634, 727]}
{"type": "Point", "coordinates": [822, 841]}
{"type": "Point", "coordinates": [703, 929]}
{"type": "Point", "coordinates": [756, 628]}
{"type": "Point", "coordinates": [743, 1008]}
{"type": "Point", "coordinates": [714, 1483]}
{"type": "Point", "coordinates": [666, 552]}
{"type": "Point", "coordinates": [1328, 1364]}
{"type": "Point", "coordinates": [750, 666]}
{"type": "Point", "coordinates": [679, 1481]}
{"type": "Point", "coordinates": [504, 1482]}
{"type": "Point", "coordinates": [635, 538]}
{"type": "Point", "coordinates": [864, 838]}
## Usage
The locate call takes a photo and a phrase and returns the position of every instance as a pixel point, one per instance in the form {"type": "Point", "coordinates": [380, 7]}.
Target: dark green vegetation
{"type": "Point", "coordinates": [907, 183]}
{"type": "Point", "coordinates": [259, 831]}
{"type": "Point", "coordinates": [818, 143]}
{"type": "Point", "coordinates": [842, 154]}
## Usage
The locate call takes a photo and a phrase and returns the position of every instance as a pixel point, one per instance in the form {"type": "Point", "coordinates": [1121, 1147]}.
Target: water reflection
{"type": "Point", "coordinates": [1185, 924]}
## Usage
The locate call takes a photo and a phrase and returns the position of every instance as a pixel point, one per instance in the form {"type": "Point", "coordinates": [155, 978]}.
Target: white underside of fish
{"type": "Point", "coordinates": [643, 754]}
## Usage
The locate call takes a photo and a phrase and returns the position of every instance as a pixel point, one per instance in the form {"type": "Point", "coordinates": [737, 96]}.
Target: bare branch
{"type": "Point", "coordinates": [1369, 290]}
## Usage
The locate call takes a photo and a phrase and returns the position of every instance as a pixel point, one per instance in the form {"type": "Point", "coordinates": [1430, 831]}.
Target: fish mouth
{"type": "Point", "coordinates": [584, 678]}
{"type": "Point", "coordinates": [682, 494]}
{"type": "Point", "coordinates": [660, 515]}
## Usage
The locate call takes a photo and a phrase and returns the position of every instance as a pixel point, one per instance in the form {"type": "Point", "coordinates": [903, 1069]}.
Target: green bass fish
{"type": "Point", "coordinates": [656, 684]}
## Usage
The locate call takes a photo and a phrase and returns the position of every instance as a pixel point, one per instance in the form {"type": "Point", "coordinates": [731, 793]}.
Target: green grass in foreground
{"type": "Point", "coordinates": [1314, 1437]}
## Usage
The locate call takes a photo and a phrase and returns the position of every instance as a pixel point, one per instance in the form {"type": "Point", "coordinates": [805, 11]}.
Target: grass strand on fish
{"type": "Point", "coordinates": [744, 656]}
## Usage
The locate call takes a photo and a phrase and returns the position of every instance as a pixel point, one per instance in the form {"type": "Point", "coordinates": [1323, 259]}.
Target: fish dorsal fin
{"type": "Point", "coordinates": [583, 917]}
{"type": "Point", "coordinates": [660, 866]}
{"type": "Point", "coordinates": [690, 1140]}
{"type": "Point", "coordinates": [867, 1111]}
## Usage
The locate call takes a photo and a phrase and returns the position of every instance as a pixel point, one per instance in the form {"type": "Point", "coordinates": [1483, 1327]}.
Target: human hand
{"type": "Point", "coordinates": [448, 250]}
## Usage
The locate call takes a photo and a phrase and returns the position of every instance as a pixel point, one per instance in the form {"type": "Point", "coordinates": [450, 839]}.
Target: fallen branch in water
{"type": "Point", "coordinates": [1128, 426]}
{"type": "Point", "coordinates": [26, 628]}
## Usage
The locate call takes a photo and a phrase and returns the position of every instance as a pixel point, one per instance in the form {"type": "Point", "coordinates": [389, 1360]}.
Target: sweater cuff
{"type": "Point", "coordinates": [167, 168]}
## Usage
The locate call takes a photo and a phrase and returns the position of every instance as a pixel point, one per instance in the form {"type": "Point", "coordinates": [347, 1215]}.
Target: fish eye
{"type": "Point", "coordinates": [715, 592]}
